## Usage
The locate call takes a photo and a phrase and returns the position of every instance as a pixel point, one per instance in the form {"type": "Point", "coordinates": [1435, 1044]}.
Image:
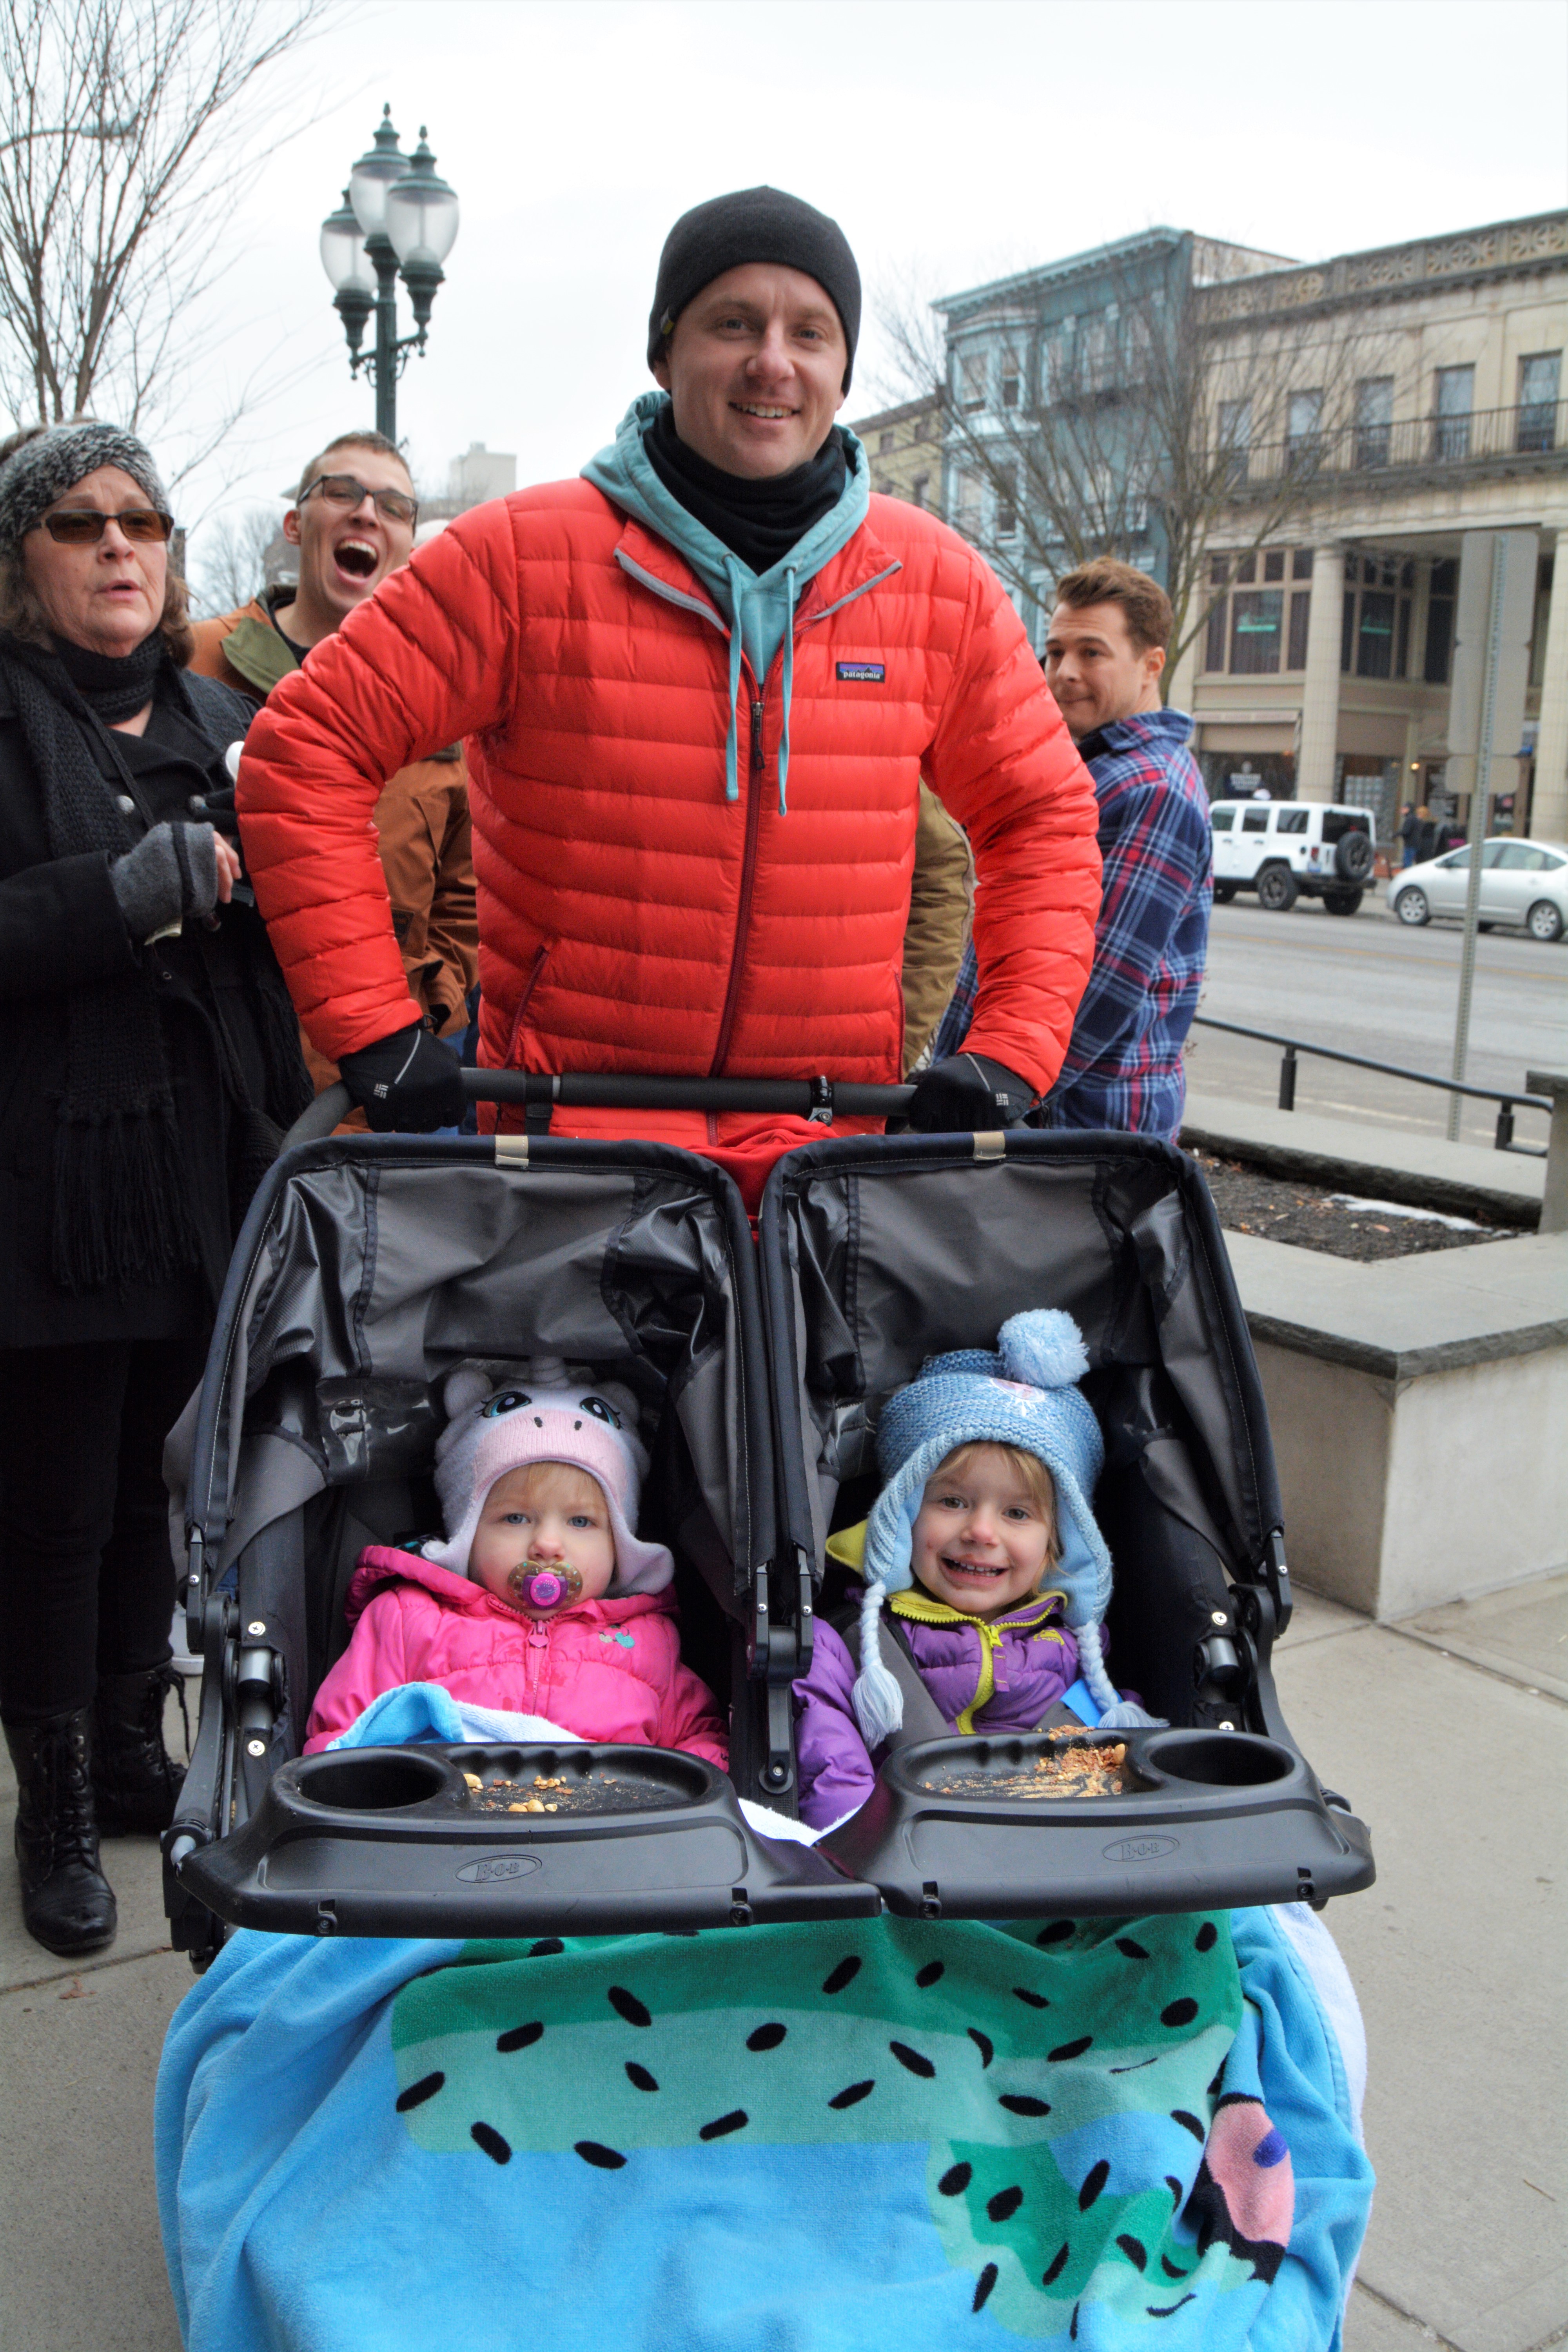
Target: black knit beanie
{"type": "Point", "coordinates": [753, 224]}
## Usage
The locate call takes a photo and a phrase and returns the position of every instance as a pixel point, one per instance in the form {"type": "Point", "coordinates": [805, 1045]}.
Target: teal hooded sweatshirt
{"type": "Point", "coordinates": [758, 608]}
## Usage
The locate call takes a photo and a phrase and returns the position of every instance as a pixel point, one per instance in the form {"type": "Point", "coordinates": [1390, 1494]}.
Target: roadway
{"type": "Point", "coordinates": [1369, 986]}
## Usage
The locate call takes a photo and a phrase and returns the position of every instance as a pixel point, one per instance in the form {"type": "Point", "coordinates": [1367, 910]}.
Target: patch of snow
{"type": "Point", "coordinates": [1398, 1209]}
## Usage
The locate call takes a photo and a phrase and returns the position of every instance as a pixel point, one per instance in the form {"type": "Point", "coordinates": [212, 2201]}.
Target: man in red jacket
{"type": "Point", "coordinates": [701, 686]}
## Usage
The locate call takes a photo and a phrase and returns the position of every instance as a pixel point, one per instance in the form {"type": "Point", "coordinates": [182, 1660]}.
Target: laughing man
{"type": "Point", "coordinates": [352, 522]}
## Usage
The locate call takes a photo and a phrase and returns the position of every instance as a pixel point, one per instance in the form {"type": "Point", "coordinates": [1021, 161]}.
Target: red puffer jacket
{"type": "Point", "coordinates": [631, 918]}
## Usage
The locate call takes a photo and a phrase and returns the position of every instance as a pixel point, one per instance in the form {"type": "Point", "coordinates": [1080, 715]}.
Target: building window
{"type": "Point", "coordinates": [1300, 618]}
{"type": "Point", "coordinates": [1257, 619]}
{"type": "Point", "coordinates": [923, 428]}
{"type": "Point", "coordinates": [1539, 376]}
{"type": "Point", "coordinates": [1373, 420]}
{"type": "Point", "coordinates": [1376, 638]}
{"type": "Point", "coordinates": [1007, 503]}
{"type": "Point", "coordinates": [1235, 437]}
{"type": "Point", "coordinates": [919, 490]}
{"type": "Point", "coordinates": [1255, 627]}
{"type": "Point", "coordinates": [972, 382]}
{"type": "Point", "coordinates": [1010, 384]}
{"type": "Point", "coordinates": [1440, 623]}
{"type": "Point", "coordinates": [1303, 429]}
{"type": "Point", "coordinates": [884, 444]}
{"type": "Point", "coordinates": [1454, 400]}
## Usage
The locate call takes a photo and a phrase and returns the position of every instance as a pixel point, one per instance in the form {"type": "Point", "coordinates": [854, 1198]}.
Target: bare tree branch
{"type": "Point", "coordinates": [129, 133]}
{"type": "Point", "coordinates": [230, 558]}
{"type": "Point", "coordinates": [1068, 438]}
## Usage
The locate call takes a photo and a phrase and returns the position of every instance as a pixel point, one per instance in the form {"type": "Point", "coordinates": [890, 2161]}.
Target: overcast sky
{"type": "Point", "coordinates": [952, 138]}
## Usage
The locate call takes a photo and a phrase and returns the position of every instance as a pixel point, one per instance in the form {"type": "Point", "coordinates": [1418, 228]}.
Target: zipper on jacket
{"type": "Point", "coordinates": [743, 911]}
{"type": "Point", "coordinates": [541, 957]}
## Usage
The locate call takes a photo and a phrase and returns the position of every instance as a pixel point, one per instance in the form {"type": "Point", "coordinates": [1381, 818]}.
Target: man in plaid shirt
{"type": "Point", "coordinates": [1104, 655]}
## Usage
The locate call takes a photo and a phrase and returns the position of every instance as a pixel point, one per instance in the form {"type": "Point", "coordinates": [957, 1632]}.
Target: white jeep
{"type": "Point", "coordinates": [1291, 849]}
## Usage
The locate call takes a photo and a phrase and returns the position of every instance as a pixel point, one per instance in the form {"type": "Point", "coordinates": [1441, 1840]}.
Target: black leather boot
{"type": "Point", "coordinates": [67, 1905]}
{"type": "Point", "coordinates": [135, 1777]}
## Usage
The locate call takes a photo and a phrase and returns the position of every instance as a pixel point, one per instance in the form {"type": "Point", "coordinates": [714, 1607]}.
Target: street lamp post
{"type": "Point", "coordinates": [398, 217]}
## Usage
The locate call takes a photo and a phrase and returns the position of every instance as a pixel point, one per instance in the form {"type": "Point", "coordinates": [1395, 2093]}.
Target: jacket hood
{"type": "Point", "coordinates": [382, 1564]}
{"type": "Point", "coordinates": [758, 610]}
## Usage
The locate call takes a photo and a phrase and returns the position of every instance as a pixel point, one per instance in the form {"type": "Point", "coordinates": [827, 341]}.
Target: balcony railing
{"type": "Point", "coordinates": [1484, 436]}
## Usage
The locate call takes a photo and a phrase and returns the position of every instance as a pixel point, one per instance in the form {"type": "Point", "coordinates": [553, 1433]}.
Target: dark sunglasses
{"type": "Point", "coordinates": [84, 525]}
{"type": "Point", "coordinates": [343, 490]}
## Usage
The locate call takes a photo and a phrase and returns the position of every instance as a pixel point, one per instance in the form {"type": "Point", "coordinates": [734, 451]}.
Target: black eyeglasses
{"type": "Point", "coordinates": [343, 490]}
{"type": "Point", "coordinates": [84, 525]}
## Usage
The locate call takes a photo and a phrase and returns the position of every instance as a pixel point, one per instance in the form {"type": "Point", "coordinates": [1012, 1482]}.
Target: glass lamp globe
{"type": "Point", "coordinates": [421, 213]}
{"type": "Point", "coordinates": [382, 162]}
{"type": "Point", "coordinates": [343, 249]}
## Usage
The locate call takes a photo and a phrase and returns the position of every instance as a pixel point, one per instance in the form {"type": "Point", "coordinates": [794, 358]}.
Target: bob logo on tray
{"type": "Point", "coordinates": [1141, 1849]}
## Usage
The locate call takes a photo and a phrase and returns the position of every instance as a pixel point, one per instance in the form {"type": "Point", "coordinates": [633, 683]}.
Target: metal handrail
{"type": "Point", "coordinates": [1506, 1101]}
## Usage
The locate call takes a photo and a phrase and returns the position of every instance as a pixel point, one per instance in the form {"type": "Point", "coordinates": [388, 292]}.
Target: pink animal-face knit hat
{"type": "Point", "coordinates": [576, 1425]}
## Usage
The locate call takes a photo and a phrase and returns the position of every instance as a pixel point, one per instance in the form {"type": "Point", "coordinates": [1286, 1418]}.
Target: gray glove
{"type": "Point", "coordinates": [166, 879]}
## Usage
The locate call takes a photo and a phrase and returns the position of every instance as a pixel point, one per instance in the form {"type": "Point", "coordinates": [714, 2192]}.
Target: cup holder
{"type": "Point", "coordinates": [372, 1780]}
{"type": "Point", "coordinates": [1218, 1760]}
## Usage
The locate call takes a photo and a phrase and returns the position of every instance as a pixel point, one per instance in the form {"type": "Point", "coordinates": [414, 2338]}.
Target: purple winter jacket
{"type": "Point", "coordinates": [1031, 1655]}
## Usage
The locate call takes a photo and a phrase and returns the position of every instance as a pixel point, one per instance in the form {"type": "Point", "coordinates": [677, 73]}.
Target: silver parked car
{"type": "Point", "coordinates": [1523, 882]}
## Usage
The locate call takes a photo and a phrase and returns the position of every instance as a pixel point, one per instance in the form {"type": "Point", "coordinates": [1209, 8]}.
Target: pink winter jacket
{"type": "Point", "coordinates": [607, 1670]}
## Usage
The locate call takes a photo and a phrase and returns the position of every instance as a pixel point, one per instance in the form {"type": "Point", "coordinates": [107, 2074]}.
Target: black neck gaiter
{"type": "Point", "coordinates": [758, 521]}
{"type": "Point", "coordinates": [114, 685]}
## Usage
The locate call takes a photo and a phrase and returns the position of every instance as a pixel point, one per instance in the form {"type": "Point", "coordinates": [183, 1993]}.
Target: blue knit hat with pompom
{"type": "Point", "coordinates": [1026, 1395]}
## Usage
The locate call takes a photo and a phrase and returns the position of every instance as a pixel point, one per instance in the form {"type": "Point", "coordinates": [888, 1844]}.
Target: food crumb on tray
{"type": "Point", "coordinates": [601, 1793]}
{"type": "Point", "coordinates": [1081, 1770]}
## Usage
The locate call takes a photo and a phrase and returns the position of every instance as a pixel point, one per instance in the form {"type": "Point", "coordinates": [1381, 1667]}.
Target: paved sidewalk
{"type": "Point", "coordinates": [1450, 1734]}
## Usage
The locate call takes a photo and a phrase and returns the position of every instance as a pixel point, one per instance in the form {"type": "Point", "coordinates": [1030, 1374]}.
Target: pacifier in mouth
{"type": "Point", "coordinates": [545, 1588]}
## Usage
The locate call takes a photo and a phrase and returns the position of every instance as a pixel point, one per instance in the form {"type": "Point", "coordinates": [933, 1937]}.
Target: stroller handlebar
{"type": "Point", "coordinates": [821, 1100]}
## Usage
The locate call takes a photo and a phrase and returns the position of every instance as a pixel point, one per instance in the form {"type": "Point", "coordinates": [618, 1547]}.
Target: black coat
{"type": "Point", "coordinates": [60, 926]}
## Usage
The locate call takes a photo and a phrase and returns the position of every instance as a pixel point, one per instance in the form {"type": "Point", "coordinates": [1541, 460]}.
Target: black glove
{"type": "Point", "coordinates": [167, 877]}
{"type": "Point", "coordinates": [216, 808]}
{"type": "Point", "coordinates": [966, 1093]}
{"type": "Point", "coordinates": [405, 1082]}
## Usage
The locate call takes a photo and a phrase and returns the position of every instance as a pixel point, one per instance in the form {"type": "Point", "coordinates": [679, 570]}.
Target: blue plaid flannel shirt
{"type": "Point", "coordinates": [1123, 1064]}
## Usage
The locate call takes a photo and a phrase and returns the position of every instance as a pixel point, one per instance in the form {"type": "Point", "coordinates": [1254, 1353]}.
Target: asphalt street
{"type": "Point", "coordinates": [1369, 986]}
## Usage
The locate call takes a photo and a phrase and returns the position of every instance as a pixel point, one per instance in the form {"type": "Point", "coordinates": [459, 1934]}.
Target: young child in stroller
{"type": "Point", "coordinates": [980, 1556]}
{"type": "Point", "coordinates": [542, 1600]}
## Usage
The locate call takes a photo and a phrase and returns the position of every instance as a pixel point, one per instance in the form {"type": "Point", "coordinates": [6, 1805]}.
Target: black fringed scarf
{"type": "Point", "coordinates": [120, 1213]}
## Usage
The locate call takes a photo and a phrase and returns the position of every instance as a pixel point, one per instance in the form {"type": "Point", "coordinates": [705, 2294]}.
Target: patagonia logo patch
{"type": "Point", "coordinates": [863, 673]}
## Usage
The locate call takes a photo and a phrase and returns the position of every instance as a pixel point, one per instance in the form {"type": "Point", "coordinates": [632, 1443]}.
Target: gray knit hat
{"type": "Point", "coordinates": [43, 468]}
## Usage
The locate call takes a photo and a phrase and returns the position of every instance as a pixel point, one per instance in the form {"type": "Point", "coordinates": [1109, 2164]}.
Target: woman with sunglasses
{"type": "Point", "coordinates": [148, 1057]}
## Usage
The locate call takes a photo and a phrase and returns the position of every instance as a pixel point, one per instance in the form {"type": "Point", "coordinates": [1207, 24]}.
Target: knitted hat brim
{"type": "Point", "coordinates": [1083, 1570]}
{"type": "Point", "coordinates": [554, 1429]}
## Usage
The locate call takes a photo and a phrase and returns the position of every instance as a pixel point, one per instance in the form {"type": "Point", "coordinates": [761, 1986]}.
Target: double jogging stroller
{"type": "Point", "coordinates": [369, 1265]}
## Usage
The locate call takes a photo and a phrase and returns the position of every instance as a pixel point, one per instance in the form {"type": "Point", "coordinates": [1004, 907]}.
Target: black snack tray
{"type": "Point", "coordinates": [392, 1841]}
{"type": "Point", "coordinates": [1217, 1818]}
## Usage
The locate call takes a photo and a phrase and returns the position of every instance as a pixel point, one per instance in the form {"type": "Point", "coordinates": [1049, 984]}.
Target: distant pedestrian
{"type": "Point", "coordinates": [1426, 837]}
{"type": "Point", "coordinates": [353, 521]}
{"type": "Point", "coordinates": [1409, 834]}
{"type": "Point", "coordinates": [1104, 653]}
